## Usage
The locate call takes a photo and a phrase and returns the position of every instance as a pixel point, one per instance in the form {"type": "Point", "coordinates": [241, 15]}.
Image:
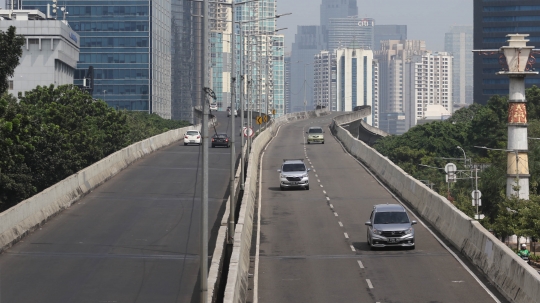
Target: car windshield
{"type": "Point", "coordinates": [315, 131]}
{"type": "Point", "coordinates": [192, 133]}
{"type": "Point", "coordinates": [294, 167]}
{"type": "Point", "coordinates": [394, 217]}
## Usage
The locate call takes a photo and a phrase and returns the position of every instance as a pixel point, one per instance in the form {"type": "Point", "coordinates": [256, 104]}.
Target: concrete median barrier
{"type": "Point", "coordinates": [31, 213]}
{"type": "Point", "coordinates": [516, 280]}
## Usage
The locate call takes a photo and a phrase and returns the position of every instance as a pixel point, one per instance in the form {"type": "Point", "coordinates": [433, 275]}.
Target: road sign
{"type": "Point", "coordinates": [450, 168]}
{"type": "Point", "coordinates": [265, 118]}
{"type": "Point", "coordinates": [479, 202]}
{"type": "Point", "coordinates": [273, 112]}
{"type": "Point", "coordinates": [479, 217]}
{"type": "Point", "coordinates": [476, 194]}
{"type": "Point", "coordinates": [259, 120]}
{"type": "Point", "coordinates": [247, 131]}
{"type": "Point", "coordinates": [451, 178]}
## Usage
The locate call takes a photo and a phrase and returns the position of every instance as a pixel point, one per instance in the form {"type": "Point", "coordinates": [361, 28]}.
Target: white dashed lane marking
{"type": "Point", "coordinates": [324, 192]}
{"type": "Point", "coordinates": [346, 235]}
{"type": "Point", "coordinates": [321, 185]}
{"type": "Point", "coordinates": [352, 248]}
{"type": "Point", "coordinates": [360, 264]}
{"type": "Point", "coordinates": [328, 198]}
{"type": "Point", "coordinates": [335, 214]}
{"type": "Point", "coordinates": [369, 283]}
{"type": "Point", "coordinates": [340, 224]}
{"type": "Point", "coordinates": [331, 206]}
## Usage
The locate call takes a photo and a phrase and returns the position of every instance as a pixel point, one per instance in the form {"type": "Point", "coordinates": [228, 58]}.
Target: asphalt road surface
{"type": "Point", "coordinates": [133, 239]}
{"type": "Point", "coordinates": [312, 243]}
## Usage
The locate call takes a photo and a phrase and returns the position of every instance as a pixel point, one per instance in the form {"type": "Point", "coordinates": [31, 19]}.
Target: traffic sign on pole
{"type": "Point", "coordinates": [247, 131]}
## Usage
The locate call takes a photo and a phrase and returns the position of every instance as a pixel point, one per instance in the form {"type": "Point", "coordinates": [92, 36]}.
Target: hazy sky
{"type": "Point", "coordinates": [426, 20]}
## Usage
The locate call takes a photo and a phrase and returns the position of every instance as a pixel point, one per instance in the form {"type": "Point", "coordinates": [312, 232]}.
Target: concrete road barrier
{"type": "Point", "coordinates": [31, 213]}
{"type": "Point", "coordinates": [516, 280]}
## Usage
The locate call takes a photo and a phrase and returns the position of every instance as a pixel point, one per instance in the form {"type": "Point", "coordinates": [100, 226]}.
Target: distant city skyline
{"type": "Point", "coordinates": [424, 20]}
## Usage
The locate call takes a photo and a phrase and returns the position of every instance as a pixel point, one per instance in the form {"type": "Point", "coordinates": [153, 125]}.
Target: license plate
{"type": "Point", "coordinates": [392, 240]}
{"type": "Point", "coordinates": [293, 183]}
{"type": "Point", "coordinates": [192, 141]}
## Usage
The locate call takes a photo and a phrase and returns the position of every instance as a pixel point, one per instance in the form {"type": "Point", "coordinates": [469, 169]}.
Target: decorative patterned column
{"type": "Point", "coordinates": [517, 55]}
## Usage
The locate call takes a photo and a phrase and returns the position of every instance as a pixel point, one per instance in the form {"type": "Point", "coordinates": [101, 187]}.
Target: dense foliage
{"type": "Point", "coordinates": [11, 50]}
{"type": "Point", "coordinates": [55, 132]}
{"type": "Point", "coordinates": [425, 149]}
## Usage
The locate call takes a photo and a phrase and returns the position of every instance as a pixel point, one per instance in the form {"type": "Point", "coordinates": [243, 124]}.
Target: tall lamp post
{"type": "Point", "coordinates": [517, 55]}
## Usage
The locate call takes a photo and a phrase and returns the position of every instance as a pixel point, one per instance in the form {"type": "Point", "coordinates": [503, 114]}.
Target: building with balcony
{"type": "Point", "coordinates": [324, 84]}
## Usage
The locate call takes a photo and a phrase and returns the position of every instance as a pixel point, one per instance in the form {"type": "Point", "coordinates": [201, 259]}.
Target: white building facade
{"type": "Point", "coordinates": [432, 85]}
{"type": "Point", "coordinates": [50, 52]}
{"type": "Point", "coordinates": [324, 90]}
{"type": "Point", "coordinates": [354, 79]}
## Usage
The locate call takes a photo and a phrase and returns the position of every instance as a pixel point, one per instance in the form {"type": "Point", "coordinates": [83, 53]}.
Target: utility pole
{"type": "Point", "coordinates": [232, 199]}
{"type": "Point", "coordinates": [203, 274]}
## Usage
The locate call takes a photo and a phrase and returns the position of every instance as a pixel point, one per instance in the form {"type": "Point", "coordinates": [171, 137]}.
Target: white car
{"type": "Point", "coordinates": [192, 137]}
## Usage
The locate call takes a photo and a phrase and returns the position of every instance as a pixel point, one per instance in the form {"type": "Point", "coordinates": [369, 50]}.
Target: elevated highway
{"type": "Point", "coordinates": [312, 246]}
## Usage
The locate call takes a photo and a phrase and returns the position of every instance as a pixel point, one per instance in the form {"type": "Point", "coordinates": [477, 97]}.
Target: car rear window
{"type": "Point", "coordinates": [221, 136]}
{"type": "Point", "coordinates": [192, 133]}
{"type": "Point", "coordinates": [394, 217]}
{"type": "Point", "coordinates": [315, 131]}
{"type": "Point", "coordinates": [294, 167]}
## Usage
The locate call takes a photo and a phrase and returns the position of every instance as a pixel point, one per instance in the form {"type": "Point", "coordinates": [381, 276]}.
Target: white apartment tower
{"type": "Point", "coordinates": [354, 79]}
{"type": "Point", "coordinates": [324, 80]}
{"type": "Point", "coordinates": [432, 85]}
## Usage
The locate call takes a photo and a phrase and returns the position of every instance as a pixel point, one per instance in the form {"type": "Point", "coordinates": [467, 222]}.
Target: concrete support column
{"type": "Point", "coordinates": [517, 182]}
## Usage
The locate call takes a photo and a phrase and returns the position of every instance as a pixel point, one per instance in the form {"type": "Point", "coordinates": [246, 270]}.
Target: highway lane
{"type": "Point", "coordinates": [133, 239]}
{"type": "Point", "coordinates": [313, 243]}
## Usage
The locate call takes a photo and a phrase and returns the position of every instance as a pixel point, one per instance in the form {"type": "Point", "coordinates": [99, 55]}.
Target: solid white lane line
{"type": "Point", "coordinates": [346, 236]}
{"type": "Point", "coordinates": [428, 229]}
{"type": "Point", "coordinates": [258, 243]}
{"type": "Point", "coordinates": [335, 214]}
{"type": "Point", "coordinates": [360, 264]}
{"type": "Point", "coordinates": [369, 283]}
{"type": "Point", "coordinates": [340, 224]}
{"type": "Point", "coordinates": [331, 206]}
{"type": "Point", "coordinates": [352, 248]}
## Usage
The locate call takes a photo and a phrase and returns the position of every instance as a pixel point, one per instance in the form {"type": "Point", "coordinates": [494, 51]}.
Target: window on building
{"type": "Point", "coordinates": [10, 84]}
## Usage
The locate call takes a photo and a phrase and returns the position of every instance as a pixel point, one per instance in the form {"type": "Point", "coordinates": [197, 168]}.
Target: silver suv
{"type": "Point", "coordinates": [293, 173]}
{"type": "Point", "coordinates": [389, 225]}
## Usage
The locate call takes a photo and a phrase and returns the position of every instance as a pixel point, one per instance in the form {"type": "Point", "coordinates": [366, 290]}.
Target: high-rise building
{"type": "Point", "coordinates": [376, 94]}
{"type": "Point", "coordinates": [182, 63]}
{"type": "Point", "coordinates": [388, 32]}
{"type": "Point", "coordinates": [324, 84]}
{"type": "Point", "coordinates": [459, 43]}
{"type": "Point", "coordinates": [129, 46]}
{"type": "Point", "coordinates": [493, 20]}
{"type": "Point", "coordinates": [395, 76]}
{"type": "Point", "coordinates": [350, 32]}
{"type": "Point", "coordinates": [354, 79]}
{"type": "Point", "coordinates": [49, 56]}
{"type": "Point", "coordinates": [307, 43]}
{"type": "Point", "coordinates": [263, 57]}
{"type": "Point", "coordinates": [431, 84]}
{"type": "Point", "coordinates": [287, 84]}
{"type": "Point", "coordinates": [337, 9]}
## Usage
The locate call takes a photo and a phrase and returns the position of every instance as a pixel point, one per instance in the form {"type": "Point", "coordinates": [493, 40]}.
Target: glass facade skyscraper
{"type": "Point", "coordinates": [351, 32]}
{"type": "Point", "coordinates": [129, 45]}
{"type": "Point", "coordinates": [493, 20]}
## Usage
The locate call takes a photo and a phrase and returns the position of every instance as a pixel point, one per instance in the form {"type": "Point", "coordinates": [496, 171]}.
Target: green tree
{"type": "Point", "coordinates": [11, 50]}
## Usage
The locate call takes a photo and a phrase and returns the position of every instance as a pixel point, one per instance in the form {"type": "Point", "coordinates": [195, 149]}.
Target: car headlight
{"type": "Point", "coordinates": [305, 176]}
{"type": "Point", "coordinates": [409, 231]}
{"type": "Point", "coordinates": [282, 176]}
{"type": "Point", "coordinates": [376, 231]}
